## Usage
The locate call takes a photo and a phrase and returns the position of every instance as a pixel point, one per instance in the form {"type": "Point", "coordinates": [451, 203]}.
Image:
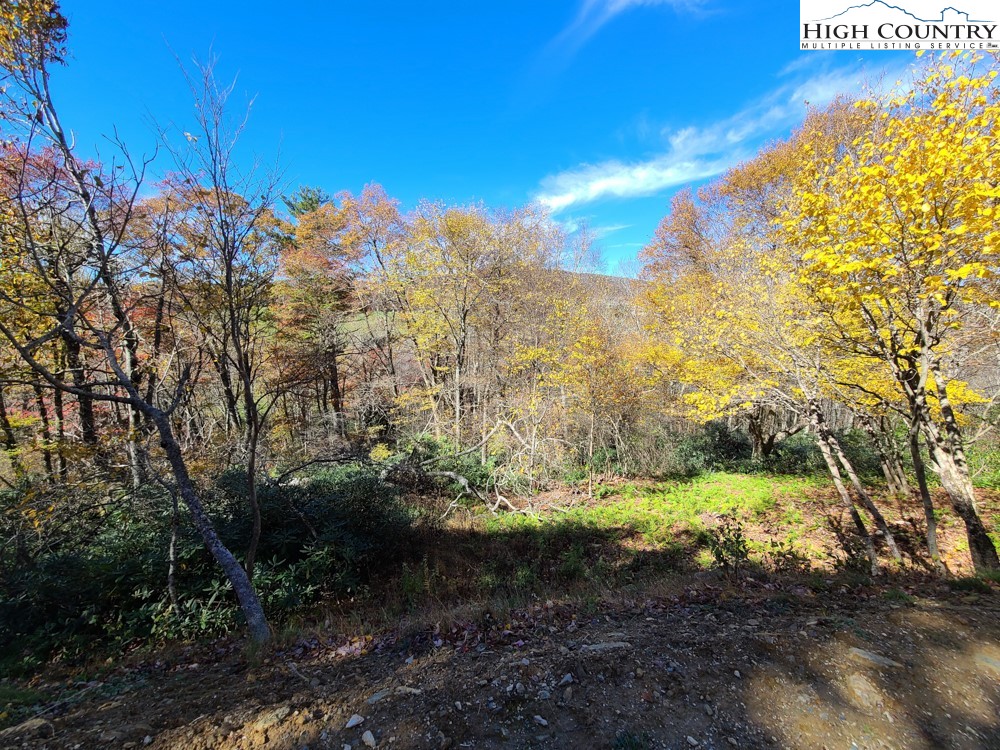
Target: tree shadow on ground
{"type": "Point", "coordinates": [603, 642]}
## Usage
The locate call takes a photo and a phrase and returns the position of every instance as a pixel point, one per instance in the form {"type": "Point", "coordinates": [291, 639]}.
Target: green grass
{"type": "Point", "coordinates": [628, 537]}
{"type": "Point", "coordinates": [658, 512]}
{"type": "Point", "coordinates": [984, 462]}
{"type": "Point", "coordinates": [898, 595]}
{"type": "Point", "coordinates": [632, 532]}
{"type": "Point", "coordinates": [16, 702]}
{"type": "Point", "coordinates": [628, 740]}
{"type": "Point", "coordinates": [970, 584]}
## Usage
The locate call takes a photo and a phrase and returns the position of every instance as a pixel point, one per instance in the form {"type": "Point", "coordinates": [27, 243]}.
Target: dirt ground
{"type": "Point", "coordinates": [700, 665]}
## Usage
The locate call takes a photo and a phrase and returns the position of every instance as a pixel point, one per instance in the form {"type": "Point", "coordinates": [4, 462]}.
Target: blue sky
{"type": "Point", "coordinates": [599, 109]}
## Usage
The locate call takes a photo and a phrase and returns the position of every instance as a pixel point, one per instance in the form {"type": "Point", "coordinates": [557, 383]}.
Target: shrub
{"type": "Point", "coordinates": [799, 455]}
{"type": "Point", "coordinates": [347, 514]}
{"type": "Point", "coordinates": [482, 476]}
{"type": "Point", "coordinates": [572, 564]}
{"type": "Point", "coordinates": [716, 447]}
{"type": "Point", "coordinates": [728, 546]}
{"type": "Point", "coordinates": [104, 582]}
{"type": "Point", "coordinates": [785, 559]}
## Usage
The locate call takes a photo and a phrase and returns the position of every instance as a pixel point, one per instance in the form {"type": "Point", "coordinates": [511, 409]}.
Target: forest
{"type": "Point", "coordinates": [237, 411]}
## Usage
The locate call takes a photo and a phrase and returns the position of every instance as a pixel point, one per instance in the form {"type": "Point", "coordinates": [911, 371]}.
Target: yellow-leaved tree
{"type": "Point", "coordinates": [745, 330]}
{"type": "Point", "coordinates": [898, 242]}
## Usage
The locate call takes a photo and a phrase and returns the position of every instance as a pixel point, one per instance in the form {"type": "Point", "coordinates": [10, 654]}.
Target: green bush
{"type": "Point", "coordinates": [572, 563]}
{"type": "Point", "coordinates": [800, 456]}
{"type": "Point", "coordinates": [984, 463]}
{"type": "Point", "coordinates": [321, 538]}
{"type": "Point", "coordinates": [351, 511]}
{"type": "Point", "coordinates": [728, 545]}
{"type": "Point", "coordinates": [797, 455]}
{"type": "Point", "coordinates": [424, 447]}
{"type": "Point", "coordinates": [716, 447]}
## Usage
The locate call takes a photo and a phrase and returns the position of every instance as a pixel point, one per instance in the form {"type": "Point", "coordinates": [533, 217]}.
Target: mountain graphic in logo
{"type": "Point", "coordinates": [861, 13]}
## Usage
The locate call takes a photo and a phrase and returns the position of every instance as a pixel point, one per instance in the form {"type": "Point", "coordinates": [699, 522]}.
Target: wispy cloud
{"type": "Point", "coordinates": [590, 17]}
{"type": "Point", "coordinates": [594, 14]}
{"type": "Point", "coordinates": [699, 152]}
{"type": "Point", "coordinates": [591, 182]}
{"type": "Point", "coordinates": [601, 232]}
{"type": "Point", "coordinates": [573, 224]}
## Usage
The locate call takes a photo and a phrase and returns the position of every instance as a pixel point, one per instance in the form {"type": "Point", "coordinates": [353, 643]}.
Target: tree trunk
{"type": "Point", "coordinates": [821, 432]}
{"type": "Point", "coordinates": [10, 441]}
{"type": "Point", "coordinates": [74, 364]}
{"type": "Point", "coordinates": [232, 409]}
{"type": "Point", "coordinates": [172, 553]}
{"type": "Point", "coordinates": [947, 453]}
{"type": "Point", "coordinates": [954, 471]}
{"type": "Point", "coordinates": [895, 459]}
{"type": "Point", "coordinates": [458, 402]}
{"type": "Point", "coordinates": [57, 405]}
{"type": "Point", "coordinates": [765, 431]}
{"type": "Point", "coordinates": [590, 455]}
{"type": "Point", "coordinates": [336, 393]}
{"type": "Point", "coordinates": [135, 449]}
{"type": "Point", "coordinates": [254, 501]}
{"type": "Point", "coordinates": [755, 430]}
{"type": "Point", "coordinates": [43, 414]}
{"type": "Point", "coordinates": [925, 498]}
{"type": "Point", "coordinates": [866, 500]}
{"type": "Point", "coordinates": [260, 632]}
{"type": "Point", "coordinates": [963, 499]}
{"type": "Point", "coordinates": [890, 478]}
{"type": "Point", "coordinates": [888, 455]}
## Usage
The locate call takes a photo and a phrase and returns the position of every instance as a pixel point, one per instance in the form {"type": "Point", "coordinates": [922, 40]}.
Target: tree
{"type": "Point", "coordinates": [315, 298]}
{"type": "Point", "coordinates": [898, 239]}
{"type": "Point", "coordinates": [67, 224]}
{"type": "Point", "coordinates": [227, 260]}
{"type": "Point", "coordinates": [727, 299]}
{"type": "Point", "coordinates": [449, 279]}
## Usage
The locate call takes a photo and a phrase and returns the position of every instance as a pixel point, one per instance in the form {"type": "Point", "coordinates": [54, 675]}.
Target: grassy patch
{"type": "Point", "coordinates": [628, 740]}
{"type": "Point", "coordinates": [898, 595]}
{"type": "Point", "coordinates": [971, 583]}
{"type": "Point", "coordinates": [16, 702]}
{"type": "Point", "coordinates": [658, 512]}
{"type": "Point", "coordinates": [628, 533]}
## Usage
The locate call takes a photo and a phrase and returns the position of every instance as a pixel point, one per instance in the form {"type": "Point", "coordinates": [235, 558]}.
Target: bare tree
{"type": "Point", "coordinates": [227, 260]}
{"type": "Point", "coordinates": [70, 274]}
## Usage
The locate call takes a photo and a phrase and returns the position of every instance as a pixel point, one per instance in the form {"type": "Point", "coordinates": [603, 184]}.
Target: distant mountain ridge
{"type": "Point", "coordinates": [887, 6]}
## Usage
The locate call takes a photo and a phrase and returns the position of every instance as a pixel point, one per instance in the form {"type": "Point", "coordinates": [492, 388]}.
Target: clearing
{"type": "Point", "coordinates": [590, 623]}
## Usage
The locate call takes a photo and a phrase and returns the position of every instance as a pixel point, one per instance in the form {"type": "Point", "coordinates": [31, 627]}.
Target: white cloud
{"type": "Point", "coordinates": [601, 232]}
{"type": "Point", "coordinates": [617, 179]}
{"type": "Point", "coordinates": [697, 153]}
{"type": "Point", "coordinates": [594, 14]}
{"type": "Point", "coordinates": [574, 224]}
